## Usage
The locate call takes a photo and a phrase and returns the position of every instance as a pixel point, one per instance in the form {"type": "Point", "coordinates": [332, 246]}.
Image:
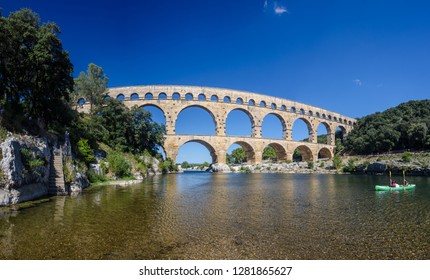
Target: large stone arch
{"type": "Point", "coordinates": [197, 106]}
{"type": "Point", "coordinates": [156, 106]}
{"type": "Point", "coordinates": [250, 116]}
{"type": "Point", "coordinates": [306, 152]}
{"type": "Point", "coordinates": [330, 138]}
{"type": "Point", "coordinates": [281, 119]}
{"type": "Point", "coordinates": [211, 149]}
{"type": "Point", "coordinates": [249, 151]}
{"type": "Point", "coordinates": [311, 130]}
{"type": "Point", "coordinates": [281, 152]}
{"type": "Point", "coordinates": [324, 153]}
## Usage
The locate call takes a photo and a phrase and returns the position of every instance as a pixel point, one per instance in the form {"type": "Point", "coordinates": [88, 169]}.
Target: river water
{"type": "Point", "coordinates": [226, 216]}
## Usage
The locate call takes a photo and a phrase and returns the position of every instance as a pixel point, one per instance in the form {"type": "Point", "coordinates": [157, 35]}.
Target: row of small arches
{"type": "Point", "coordinates": [227, 99]}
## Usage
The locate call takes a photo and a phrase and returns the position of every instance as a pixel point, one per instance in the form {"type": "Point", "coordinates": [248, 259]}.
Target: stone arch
{"type": "Point", "coordinates": [281, 152]}
{"type": "Point", "coordinates": [201, 97]}
{"type": "Point", "coordinates": [120, 97]}
{"type": "Point", "coordinates": [156, 106]}
{"type": "Point", "coordinates": [273, 106]}
{"type": "Point", "coordinates": [324, 153]}
{"type": "Point", "coordinates": [201, 107]}
{"type": "Point", "coordinates": [176, 96]}
{"type": "Point", "coordinates": [250, 116]}
{"type": "Point", "coordinates": [283, 108]}
{"type": "Point", "coordinates": [292, 109]}
{"type": "Point", "coordinates": [328, 132]}
{"type": "Point", "coordinates": [149, 95]}
{"type": "Point", "coordinates": [134, 96]}
{"type": "Point", "coordinates": [305, 152]}
{"type": "Point", "coordinates": [251, 102]}
{"type": "Point", "coordinates": [308, 125]}
{"type": "Point", "coordinates": [263, 103]}
{"type": "Point", "coordinates": [162, 95]}
{"type": "Point", "coordinates": [239, 101]}
{"type": "Point", "coordinates": [214, 98]}
{"type": "Point", "coordinates": [340, 132]}
{"type": "Point", "coordinates": [189, 96]}
{"type": "Point", "coordinates": [281, 120]}
{"type": "Point", "coordinates": [207, 145]}
{"type": "Point", "coordinates": [249, 150]}
{"type": "Point", "coordinates": [106, 98]}
{"type": "Point", "coordinates": [227, 99]}
{"type": "Point", "coordinates": [81, 101]}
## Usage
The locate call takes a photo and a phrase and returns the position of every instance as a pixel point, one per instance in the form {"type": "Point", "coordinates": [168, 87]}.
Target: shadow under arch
{"type": "Point", "coordinates": [249, 150]}
{"type": "Point", "coordinates": [207, 145]}
{"type": "Point", "coordinates": [199, 107]}
{"type": "Point", "coordinates": [305, 152]}
{"type": "Point", "coordinates": [324, 153]}
{"type": "Point", "coordinates": [281, 153]}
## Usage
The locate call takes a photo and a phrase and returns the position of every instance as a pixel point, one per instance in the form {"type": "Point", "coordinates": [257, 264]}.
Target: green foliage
{"type": "Point", "coordinates": [167, 166]}
{"type": "Point", "coordinates": [350, 166]}
{"type": "Point", "coordinates": [237, 156]}
{"type": "Point", "coordinates": [337, 161]}
{"type": "Point", "coordinates": [245, 169]}
{"type": "Point", "coordinates": [85, 151]}
{"type": "Point", "coordinates": [185, 165]}
{"type": "Point", "coordinates": [311, 164]}
{"type": "Point", "coordinates": [403, 127]}
{"type": "Point", "coordinates": [407, 157]}
{"type": "Point", "coordinates": [118, 164]}
{"type": "Point", "coordinates": [35, 71]}
{"type": "Point", "coordinates": [93, 177]}
{"type": "Point", "coordinates": [91, 86]}
{"type": "Point", "coordinates": [31, 161]}
{"type": "Point", "coordinates": [269, 153]}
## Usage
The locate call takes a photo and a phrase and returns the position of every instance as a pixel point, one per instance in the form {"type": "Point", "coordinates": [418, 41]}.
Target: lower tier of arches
{"type": "Point", "coordinates": [253, 147]}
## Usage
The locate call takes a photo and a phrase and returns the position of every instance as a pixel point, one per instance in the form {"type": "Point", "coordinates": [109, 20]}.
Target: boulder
{"type": "Point", "coordinates": [220, 167]}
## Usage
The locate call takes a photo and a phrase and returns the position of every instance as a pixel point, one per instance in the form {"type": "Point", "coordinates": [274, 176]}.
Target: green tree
{"type": "Point", "coordinates": [35, 71]}
{"type": "Point", "coordinates": [269, 153]}
{"type": "Point", "coordinates": [144, 133]}
{"type": "Point", "coordinates": [337, 161]}
{"type": "Point", "coordinates": [238, 155]}
{"type": "Point", "coordinates": [185, 165]}
{"type": "Point", "coordinates": [91, 85]}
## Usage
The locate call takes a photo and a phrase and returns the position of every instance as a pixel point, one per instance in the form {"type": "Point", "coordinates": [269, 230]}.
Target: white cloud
{"type": "Point", "coordinates": [358, 82]}
{"type": "Point", "coordinates": [275, 6]}
{"type": "Point", "coordinates": [279, 10]}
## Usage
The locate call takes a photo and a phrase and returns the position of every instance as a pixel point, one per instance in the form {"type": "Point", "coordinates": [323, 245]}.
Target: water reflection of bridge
{"type": "Point", "coordinates": [172, 100]}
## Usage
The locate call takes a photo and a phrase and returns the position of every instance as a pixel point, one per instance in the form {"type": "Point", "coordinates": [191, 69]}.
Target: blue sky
{"type": "Point", "coordinates": [352, 57]}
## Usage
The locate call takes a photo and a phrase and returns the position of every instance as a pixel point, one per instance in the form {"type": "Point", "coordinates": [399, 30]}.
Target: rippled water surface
{"type": "Point", "coordinates": [226, 216]}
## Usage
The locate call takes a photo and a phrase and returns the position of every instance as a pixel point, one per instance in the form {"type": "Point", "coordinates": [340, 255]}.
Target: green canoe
{"type": "Point", "coordinates": [399, 188]}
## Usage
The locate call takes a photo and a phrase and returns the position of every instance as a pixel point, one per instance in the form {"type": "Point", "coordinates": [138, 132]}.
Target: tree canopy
{"type": "Point", "coordinates": [91, 85]}
{"type": "Point", "coordinates": [403, 127]}
{"type": "Point", "coordinates": [35, 71]}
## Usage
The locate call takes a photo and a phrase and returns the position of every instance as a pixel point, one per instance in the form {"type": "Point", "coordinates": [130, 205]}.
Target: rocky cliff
{"type": "Point", "coordinates": [24, 169]}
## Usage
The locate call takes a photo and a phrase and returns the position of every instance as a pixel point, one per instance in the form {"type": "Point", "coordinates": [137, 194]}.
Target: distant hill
{"type": "Point", "coordinates": [406, 126]}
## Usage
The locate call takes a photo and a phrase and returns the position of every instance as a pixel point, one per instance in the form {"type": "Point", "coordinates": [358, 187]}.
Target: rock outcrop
{"type": "Point", "coordinates": [24, 176]}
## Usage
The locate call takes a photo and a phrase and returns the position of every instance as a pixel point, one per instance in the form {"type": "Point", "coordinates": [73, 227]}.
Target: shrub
{"type": "Point", "coordinates": [94, 177]}
{"type": "Point", "coordinates": [118, 164]}
{"type": "Point", "coordinates": [350, 166]}
{"type": "Point", "coordinates": [167, 166]}
{"type": "Point", "coordinates": [407, 157]}
{"type": "Point", "coordinates": [30, 161]}
{"type": "Point", "coordinates": [85, 151]}
{"type": "Point", "coordinates": [310, 164]}
{"type": "Point", "coordinates": [337, 161]}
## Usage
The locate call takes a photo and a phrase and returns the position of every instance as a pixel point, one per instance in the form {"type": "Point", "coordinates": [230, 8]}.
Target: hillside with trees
{"type": "Point", "coordinates": [404, 127]}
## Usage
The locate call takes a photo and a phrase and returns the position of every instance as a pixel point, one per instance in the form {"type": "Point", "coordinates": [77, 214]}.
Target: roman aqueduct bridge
{"type": "Point", "coordinates": [172, 100]}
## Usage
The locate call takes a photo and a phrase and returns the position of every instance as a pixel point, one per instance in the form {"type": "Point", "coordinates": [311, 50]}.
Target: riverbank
{"type": "Point", "coordinates": [412, 163]}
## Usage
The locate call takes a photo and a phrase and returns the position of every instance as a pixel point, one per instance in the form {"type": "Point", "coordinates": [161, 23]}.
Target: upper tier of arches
{"type": "Point", "coordinates": [207, 94]}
